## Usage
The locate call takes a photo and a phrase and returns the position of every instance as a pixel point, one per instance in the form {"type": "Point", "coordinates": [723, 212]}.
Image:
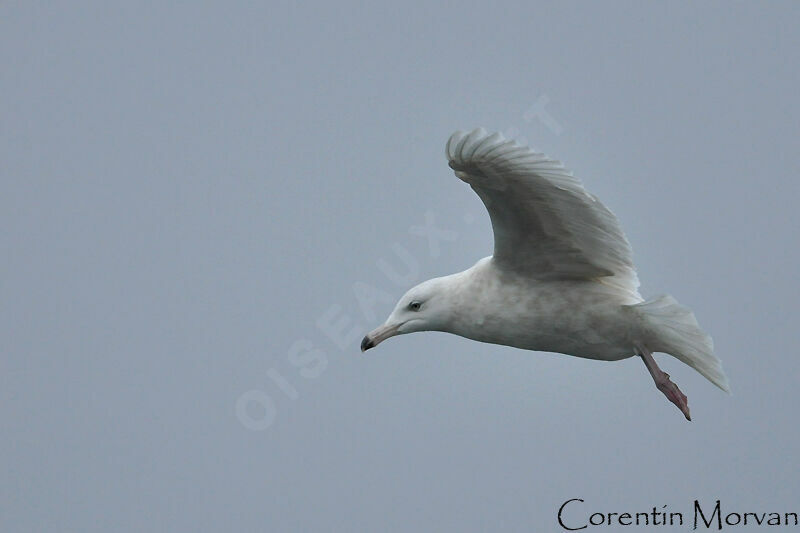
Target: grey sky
{"type": "Point", "coordinates": [186, 189]}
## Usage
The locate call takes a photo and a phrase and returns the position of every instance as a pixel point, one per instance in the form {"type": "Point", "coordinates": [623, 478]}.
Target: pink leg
{"type": "Point", "coordinates": [663, 383]}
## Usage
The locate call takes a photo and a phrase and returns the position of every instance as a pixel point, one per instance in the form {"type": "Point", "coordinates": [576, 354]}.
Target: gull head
{"type": "Point", "coordinates": [423, 308]}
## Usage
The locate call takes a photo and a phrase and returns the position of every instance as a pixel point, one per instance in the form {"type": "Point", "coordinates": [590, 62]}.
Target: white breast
{"type": "Point", "coordinates": [580, 318]}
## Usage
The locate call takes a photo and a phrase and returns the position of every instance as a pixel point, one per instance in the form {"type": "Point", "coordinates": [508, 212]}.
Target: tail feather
{"type": "Point", "coordinates": [671, 328]}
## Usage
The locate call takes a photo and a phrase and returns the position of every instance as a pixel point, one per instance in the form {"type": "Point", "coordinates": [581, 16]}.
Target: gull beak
{"type": "Point", "coordinates": [378, 335]}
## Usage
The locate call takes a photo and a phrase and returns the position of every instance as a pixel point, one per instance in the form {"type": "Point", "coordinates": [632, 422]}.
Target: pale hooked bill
{"type": "Point", "coordinates": [561, 277]}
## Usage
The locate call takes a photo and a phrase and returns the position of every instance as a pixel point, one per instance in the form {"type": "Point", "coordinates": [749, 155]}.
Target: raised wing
{"type": "Point", "coordinates": [545, 223]}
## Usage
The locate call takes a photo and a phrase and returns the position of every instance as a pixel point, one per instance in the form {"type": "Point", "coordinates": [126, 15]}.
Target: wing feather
{"type": "Point", "coordinates": [546, 225]}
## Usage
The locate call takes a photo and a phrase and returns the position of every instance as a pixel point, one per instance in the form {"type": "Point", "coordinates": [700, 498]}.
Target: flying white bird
{"type": "Point", "coordinates": [561, 278]}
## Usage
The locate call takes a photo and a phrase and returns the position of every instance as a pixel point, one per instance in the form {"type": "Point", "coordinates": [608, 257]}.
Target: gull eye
{"type": "Point", "coordinates": [415, 305]}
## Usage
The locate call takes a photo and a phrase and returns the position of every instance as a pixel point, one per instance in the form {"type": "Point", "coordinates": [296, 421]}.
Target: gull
{"type": "Point", "coordinates": [561, 278]}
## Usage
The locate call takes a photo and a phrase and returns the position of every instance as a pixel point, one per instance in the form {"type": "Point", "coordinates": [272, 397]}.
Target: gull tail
{"type": "Point", "coordinates": [669, 327]}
